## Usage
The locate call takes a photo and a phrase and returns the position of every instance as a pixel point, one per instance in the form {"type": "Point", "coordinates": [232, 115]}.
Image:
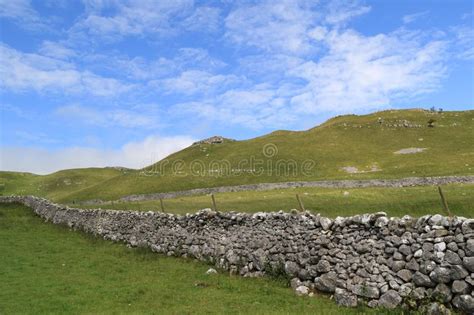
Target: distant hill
{"type": "Point", "coordinates": [386, 144]}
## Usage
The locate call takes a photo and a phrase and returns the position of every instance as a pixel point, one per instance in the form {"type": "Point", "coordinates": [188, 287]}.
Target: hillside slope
{"type": "Point", "coordinates": [388, 144]}
{"type": "Point", "coordinates": [56, 185]}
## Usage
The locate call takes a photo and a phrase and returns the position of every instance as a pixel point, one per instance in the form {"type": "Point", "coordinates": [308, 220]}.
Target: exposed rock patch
{"type": "Point", "coordinates": [409, 151]}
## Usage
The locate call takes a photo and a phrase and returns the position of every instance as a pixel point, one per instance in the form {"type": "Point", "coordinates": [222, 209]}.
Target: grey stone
{"type": "Point", "coordinates": [422, 280]}
{"type": "Point", "coordinates": [440, 247]}
{"type": "Point", "coordinates": [442, 293]}
{"type": "Point", "coordinates": [294, 283]}
{"type": "Point", "coordinates": [302, 290]}
{"type": "Point", "coordinates": [435, 219]}
{"type": "Point", "coordinates": [405, 250]}
{"type": "Point", "coordinates": [345, 298]}
{"type": "Point", "coordinates": [435, 308]}
{"type": "Point", "coordinates": [405, 275]}
{"type": "Point", "coordinates": [413, 265]}
{"type": "Point", "coordinates": [418, 253]}
{"type": "Point", "coordinates": [326, 282]}
{"type": "Point", "coordinates": [366, 291]}
{"type": "Point", "coordinates": [468, 226]}
{"type": "Point", "coordinates": [440, 275]}
{"type": "Point", "coordinates": [323, 266]}
{"type": "Point", "coordinates": [211, 271]}
{"type": "Point", "coordinates": [418, 293]}
{"type": "Point", "coordinates": [465, 303]}
{"type": "Point", "coordinates": [452, 258]}
{"type": "Point", "coordinates": [468, 262]}
{"type": "Point", "coordinates": [458, 272]}
{"type": "Point", "coordinates": [459, 287]}
{"type": "Point", "coordinates": [469, 249]}
{"type": "Point", "coordinates": [325, 223]}
{"type": "Point", "coordinates": [292, 268]}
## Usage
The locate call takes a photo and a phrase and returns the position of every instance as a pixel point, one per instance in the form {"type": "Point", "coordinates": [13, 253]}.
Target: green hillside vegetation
{"type": "Point", "coordinates": [416, 201]}
{"type": "Point", "coordinates": [56, 185]}
{"type": "Point", "coordinates": [345, 147]}
{"type": "Point", "coordinates": [81, 274]}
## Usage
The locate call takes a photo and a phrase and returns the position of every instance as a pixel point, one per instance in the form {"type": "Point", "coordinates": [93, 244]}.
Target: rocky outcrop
{"type": "Point", "coordinates": [213, 140]}
{"type": "Point", "coordinates": [384, 262]}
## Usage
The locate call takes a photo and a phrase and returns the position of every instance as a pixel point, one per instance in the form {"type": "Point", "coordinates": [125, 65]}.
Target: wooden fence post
{"type": "Point", "coordinates": [300, 203]}
{"type": "Point", "coordinates": [444, 202]}
{"type": "Point", "coordinates": [162, 206]}
{"type": "Point", "coordinates": [213, 202]}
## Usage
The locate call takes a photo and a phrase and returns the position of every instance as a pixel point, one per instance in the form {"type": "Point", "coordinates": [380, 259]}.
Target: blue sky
{"type": "Point", "coordinates": [105, 83]}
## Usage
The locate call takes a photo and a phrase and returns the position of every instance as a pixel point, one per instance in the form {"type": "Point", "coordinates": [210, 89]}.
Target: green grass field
{"type": "Point", "coordinates": [416, 201]}
{"type": "Point", "coordinates": [363, 143]}
{"type": "Point", "coordinates": [48, 269]}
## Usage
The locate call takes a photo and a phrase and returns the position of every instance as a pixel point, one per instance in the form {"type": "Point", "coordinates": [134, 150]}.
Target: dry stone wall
{"type": "Point", "coordinates": [425, 262]}
{"type": "Point", "coordinates": [362, 183]}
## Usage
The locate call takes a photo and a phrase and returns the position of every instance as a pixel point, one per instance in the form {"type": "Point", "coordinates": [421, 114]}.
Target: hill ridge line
{"type": "Point", "coordinates": [347, 183]}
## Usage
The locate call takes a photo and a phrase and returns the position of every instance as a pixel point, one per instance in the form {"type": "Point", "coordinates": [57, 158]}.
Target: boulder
{"type": "Point", "coordinates": [459, 287]}
{"type": "Point", "coordinates": [366, 291]}
{"type": "Point", "coordinates": [422, 280]}
{"type": "Point", "coordinates": [452, 258]}
{"type": "Point", "coordinates": [291, 268]}
{"type": "Point", "coordinates": [302, 290]}
{"type": "Point", "coordinates": [465, 303]}
{"type": "Point", "coordinates": [323, 266]}
{"type": "Point", "coordinates": [469, 249]}
{"type": "Point", "coordinates": [405, 275]}
{"type": "Point", "coordinates": [326, 282]}
{"type": "Point", "coordinates": [345, 298]}
{"type": "Point", "coordinates": [325, 223]}
{"type": "Point", "coordinates": [468, 262]}
{"type": "Point", "coordinates": [211, 271]}
{"type": "Point", "coordinates": [390, 299]}
{"type": "Point", "coordinates": [441, 275]}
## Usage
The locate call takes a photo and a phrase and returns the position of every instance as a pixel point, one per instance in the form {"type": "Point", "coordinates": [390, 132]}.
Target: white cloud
{"type": "Point", "coordinates": [133, 155]}
{"type": "Point", "coordinates": [23, 14]}
{"type": "Point", "coordinates": [21, 71]}
{"type": "Point", "coordinates": [366, 72]}
{"type": "Point", "coordinates": [128, 118]}
{"type": "Point", "coordinates": [280, 26]}
{"type": "Point", "coordinates": [203, 18]}
{"type": "Point", "coordinates": [464, 42]}
{"type": "Point", "coordinates": [196, 81]}
{"type": "Point", "coordinates": [410, 18]}
{"type": "Point", "coordinates": [115, 19]}
{"type": "Point", "coordinates": [342, 11]}
{"type": "Point", "coordinates": [56, 50]}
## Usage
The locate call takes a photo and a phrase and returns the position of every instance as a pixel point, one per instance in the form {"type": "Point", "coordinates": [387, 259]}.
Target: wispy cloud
{"type": "Point", "coordinates": [139, 18]}
{"type": "Point", "coordinates": [271, 26]}
{"type": "Point", "coordinates": [116, 117]}
{"type": "Point", "coordinates": [196, 81]}
{"type": "Point", "coordinates": [21, 71]}
{"type": "Point", "coordinates": [23, 14]}
{"type": "Point", "coordinates": [410, 18]}
{"type": "Point", "coordinates": [364, 72]}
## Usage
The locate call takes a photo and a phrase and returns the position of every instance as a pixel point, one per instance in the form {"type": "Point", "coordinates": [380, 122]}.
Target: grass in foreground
{"type": "Point", "coordinates": [415, 201]}
{"type": "Point", "coordinates": [47, 269]}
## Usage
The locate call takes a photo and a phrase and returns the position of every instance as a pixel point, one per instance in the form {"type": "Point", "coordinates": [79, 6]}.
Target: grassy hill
{"type": "Point", "coordinates": [56, 185]}
{"type": "Point", "coordinates": [345, 147]}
